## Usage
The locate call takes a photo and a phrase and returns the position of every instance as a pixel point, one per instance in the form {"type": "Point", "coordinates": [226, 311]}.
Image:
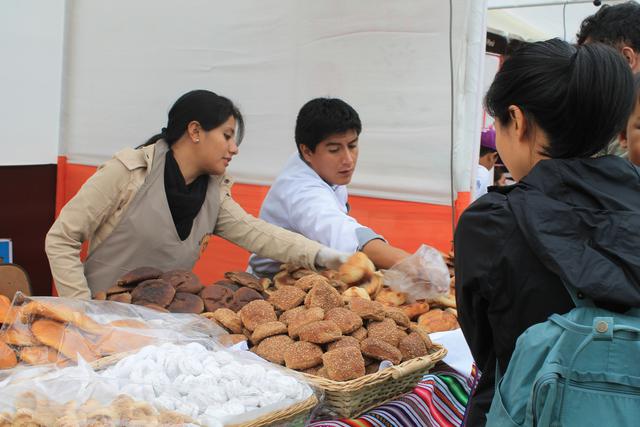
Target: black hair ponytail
{"type": "Point", "coordinates": [580, 97]}
{"type": "Point", "coordinates": [205, 107]}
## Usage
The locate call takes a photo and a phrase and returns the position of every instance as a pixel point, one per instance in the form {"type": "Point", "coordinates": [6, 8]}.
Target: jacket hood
{"type": "Point", "coordinates": [582, 218]}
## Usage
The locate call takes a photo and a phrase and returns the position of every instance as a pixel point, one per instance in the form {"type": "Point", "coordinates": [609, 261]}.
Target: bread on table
{"type": "Point", "coordinates": [154, 291]}
{"type": "Point", "coordinates": [398, 316]}
{"type": "Point", "coordinates": [65, 339]}
{"type": "Point", "coordinates": [182, 281]}
{"type": "Point", "coordinates": [323, 295]}
{"type": "Point", "coordinates": [357, 268]}
{"type": "Point", "coordinates": [438, 320]}
{"type": "Point", "coordinates": [257, 312]}
{"type": "Point", "coordinates": [60, 313]}
{"type": "Point", "coordinates": [303, 318]}
{"type": "Point", "coordinates": [302, 355]}
{"type": "Point", "coordinates": [266, 330]}
{"type": "Point", "coordinates": [185, 302]}
{"type": "Point", "coordinates": [228, 319]}
{"type": "Point", "coordinates": [347, 320]}
{"type": "Point", "coordinates": [138, 275]}
{"type": "Point", "coordinates": [7, 357]}
{"type": "Point", "coordinates": [412, 346]}
{"type": "Point", "coordinates": [307, 282]}
{"type": "Point", "coordinates": [387, 331]}
{"type": "Point", "coordinates": [39, 355]}
{"type": "Point", "coordinates": [344, 341]}
{"type": "Point", "coordinates": [320, 332]}
{"type": "Point", "coordinates": [344, 364]}
{"type": "Point", "coordinates": [380, 350]}
{"type": "Point", "coordinates": [273, 348]}
{"type": "Point", "coordinates": [18, 336]}
{"type": "Point", "coordinates": [360, 334]}
{"type": "Point", "coordinates": [287, 297]}
{"type": "Point", "coordinates": [369, 310]}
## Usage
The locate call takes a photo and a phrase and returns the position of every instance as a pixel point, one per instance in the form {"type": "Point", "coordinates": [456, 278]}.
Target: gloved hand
{"type": "Point", "coordinates": [330, 258]}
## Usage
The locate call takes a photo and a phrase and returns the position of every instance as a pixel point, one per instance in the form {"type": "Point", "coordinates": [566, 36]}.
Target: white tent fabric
{"type": "Point", "coordinates": [31, 46]}
{"type": "Point", "coordinates": [127, 62]}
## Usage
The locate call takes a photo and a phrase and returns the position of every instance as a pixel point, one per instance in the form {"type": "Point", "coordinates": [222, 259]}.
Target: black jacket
{"type": "Point", "coordinates": [574, 220]}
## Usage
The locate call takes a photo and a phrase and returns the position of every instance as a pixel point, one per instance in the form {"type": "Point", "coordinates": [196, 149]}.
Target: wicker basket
{"type": "Point", "coordinates": [295, 415]}
{"type": "Point", "coordinates": [351, 398]}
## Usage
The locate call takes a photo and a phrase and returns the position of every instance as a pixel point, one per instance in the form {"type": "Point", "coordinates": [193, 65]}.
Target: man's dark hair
{"type": "Point", "coordinates": [322, 117]}
{"type": "Point", "coordinates": [486, 150]}
{"type": "Point", "coordinates": [579, 96]}
{"type": "Point", "coordinates": [498, 171]}
{"type": "Point", "coordinates": [613, 25]}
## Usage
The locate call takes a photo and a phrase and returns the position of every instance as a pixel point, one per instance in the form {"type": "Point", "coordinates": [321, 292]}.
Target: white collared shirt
{"type": "Point", "coordinates": [483, 181]}
{"type": "Point", "coordinates": [301, 201]}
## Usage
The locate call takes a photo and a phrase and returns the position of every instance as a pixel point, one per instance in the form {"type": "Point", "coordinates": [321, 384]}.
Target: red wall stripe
{"type": "Point", "coordinates": [403, 224]}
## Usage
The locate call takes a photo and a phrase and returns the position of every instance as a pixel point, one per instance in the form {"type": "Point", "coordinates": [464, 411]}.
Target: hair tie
{"type": "Point", "coordinates": [163, 131]}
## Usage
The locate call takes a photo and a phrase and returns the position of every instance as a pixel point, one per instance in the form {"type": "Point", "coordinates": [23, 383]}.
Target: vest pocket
{"type": "Point", "coordinates": [498, 415]}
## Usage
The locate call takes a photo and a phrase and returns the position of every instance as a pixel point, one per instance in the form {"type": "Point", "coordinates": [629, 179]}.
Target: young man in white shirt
{"type": "Point", "coordinates": [310, 194]}
{"type": "Point", "coordinates": [488, 157]}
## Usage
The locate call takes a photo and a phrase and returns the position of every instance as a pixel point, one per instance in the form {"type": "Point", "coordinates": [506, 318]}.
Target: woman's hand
{"type": "Point", "coordinates": [330, 258]}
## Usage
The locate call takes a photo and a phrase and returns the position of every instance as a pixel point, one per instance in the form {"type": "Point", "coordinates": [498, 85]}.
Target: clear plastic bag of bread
{"type": "Point", "coordinates": [423, 275]}
{"type": "Point", "coordinates": [196, 384]}
{"type": "Point", "coordinates": [60, 331]}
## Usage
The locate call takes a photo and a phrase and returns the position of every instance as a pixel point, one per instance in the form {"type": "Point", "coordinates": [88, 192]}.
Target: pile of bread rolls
{"type": "Point", "coordinates": [358, 278]}
{"type": "Point", "coordinates": [335, 324]}
{"type": "Point", "coordinates": [180, 291]}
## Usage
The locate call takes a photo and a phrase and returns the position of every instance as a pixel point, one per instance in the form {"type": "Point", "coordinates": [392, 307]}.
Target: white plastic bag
{"type": "Point", "coordinates": [423, 275]}
{"type": "Point", "coordinates": [168, 365]}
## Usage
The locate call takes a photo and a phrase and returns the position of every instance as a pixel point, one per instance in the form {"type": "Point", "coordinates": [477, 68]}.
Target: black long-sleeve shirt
{"type": "Point", "coordinates": [572, 220]}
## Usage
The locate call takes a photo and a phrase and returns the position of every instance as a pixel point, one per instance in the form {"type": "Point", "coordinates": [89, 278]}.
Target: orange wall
{"type": "Point", "coordinates": [403, 224]}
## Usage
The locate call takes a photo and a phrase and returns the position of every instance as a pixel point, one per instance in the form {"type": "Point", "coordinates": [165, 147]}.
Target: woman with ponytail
{"type": "Point", "coordinates": [570, 217]}
{"type": "Point", "coordinates": [157, 205]}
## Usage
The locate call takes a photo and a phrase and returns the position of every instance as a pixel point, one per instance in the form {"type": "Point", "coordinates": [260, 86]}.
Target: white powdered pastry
{"type": "Point", "coordinates": [210, 386]}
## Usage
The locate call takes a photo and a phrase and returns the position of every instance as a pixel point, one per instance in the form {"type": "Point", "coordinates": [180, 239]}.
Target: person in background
{"type": "Point", "coordinates": [158, 205]}
{"type": "Point", "coordinates": [500, 176]}
{"type": "Point", "coordinates": [630, 137]}
{"type": "Point", "coordinates": [488, 157]}
{"type": "Point", "coordinates": [570, 217]}
{"type": "Point", "coordinates": [310, 195]}
{"type": "Point", "coordinates": [619, 27]}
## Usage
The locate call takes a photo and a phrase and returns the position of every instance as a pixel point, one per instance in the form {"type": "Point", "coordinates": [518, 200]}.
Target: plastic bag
{"type": "Point", "coordinates": [62, 331]}
{"type": "Point", "coordinates": [138, 362]}
{"type": "Point", "coordinates": [189, 383]}
{"type": "Point", "coordinates": [423, 275]}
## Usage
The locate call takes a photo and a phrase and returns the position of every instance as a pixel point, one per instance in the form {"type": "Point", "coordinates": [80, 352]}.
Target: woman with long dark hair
{"type": "Point", "coordinates": [157, 205]}
{"type": "Point", "coordinates": [570, 217]}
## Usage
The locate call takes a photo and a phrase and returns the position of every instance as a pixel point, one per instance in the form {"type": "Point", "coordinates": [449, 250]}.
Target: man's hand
{"type": "Point", "coordinates": [382, 254]}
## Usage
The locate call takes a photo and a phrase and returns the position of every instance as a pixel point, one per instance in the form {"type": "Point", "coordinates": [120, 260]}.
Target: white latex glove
{"type": "Point", "coordinates": [330, 258]}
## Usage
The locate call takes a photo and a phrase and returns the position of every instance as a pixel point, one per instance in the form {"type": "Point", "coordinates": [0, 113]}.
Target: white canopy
{"type": "Point", "coordinates": [127, 62]}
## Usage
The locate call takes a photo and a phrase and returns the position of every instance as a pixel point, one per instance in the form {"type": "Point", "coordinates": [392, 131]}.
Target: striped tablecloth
{"type": "Point", "coordinates": [438, 400]}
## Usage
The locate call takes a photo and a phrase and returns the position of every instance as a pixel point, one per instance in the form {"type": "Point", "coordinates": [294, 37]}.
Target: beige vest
{"type": "Point", "coordinates": [146, 234]}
